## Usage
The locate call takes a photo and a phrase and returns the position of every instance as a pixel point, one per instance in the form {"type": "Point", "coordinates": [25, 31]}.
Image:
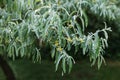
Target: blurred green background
{"type": "Point", "coordinates": [27, 70]}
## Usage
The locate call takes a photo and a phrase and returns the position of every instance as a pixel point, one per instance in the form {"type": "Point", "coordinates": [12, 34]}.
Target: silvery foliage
{"type": "Point", "coordinates": [26, 24]}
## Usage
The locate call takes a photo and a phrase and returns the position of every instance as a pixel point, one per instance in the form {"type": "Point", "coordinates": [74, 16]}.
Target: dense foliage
{"type": "Point", "coordinates": [114, 38]}
{"type": "Point", "coordinates": [28, 25]}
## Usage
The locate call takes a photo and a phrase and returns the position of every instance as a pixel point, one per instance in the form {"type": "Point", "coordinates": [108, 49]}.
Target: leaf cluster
{"type": "Point", "coordinates": [27, 25]}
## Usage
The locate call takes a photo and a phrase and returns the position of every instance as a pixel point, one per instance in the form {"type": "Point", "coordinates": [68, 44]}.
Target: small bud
{"type": "Point", "coordinates": [69, 39]}
{"type": "Point", "coordinates": [59, 49]}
